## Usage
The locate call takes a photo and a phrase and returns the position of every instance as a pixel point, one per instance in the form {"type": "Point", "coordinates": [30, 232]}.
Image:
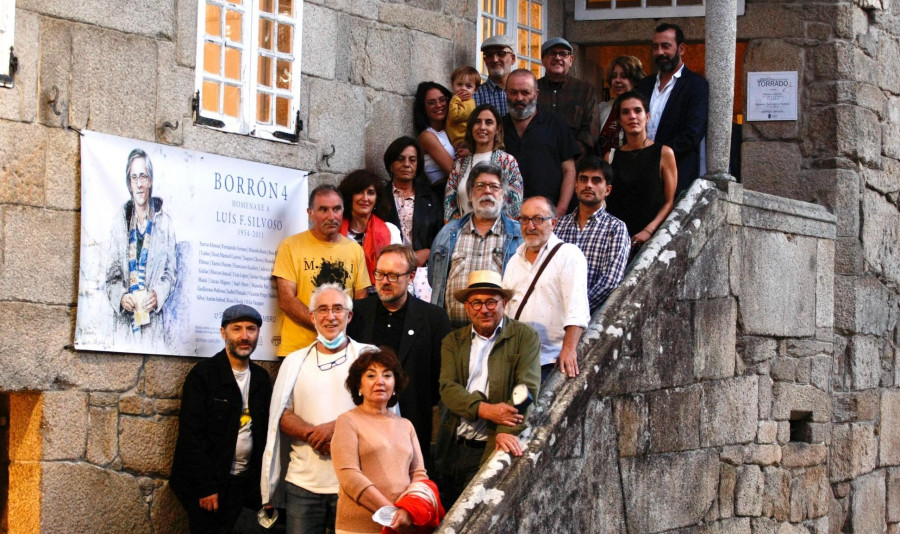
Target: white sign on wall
{"type": "Point", "coordinates": [170, 238]}
{"type": "Point", "coordinates": [772, 96]}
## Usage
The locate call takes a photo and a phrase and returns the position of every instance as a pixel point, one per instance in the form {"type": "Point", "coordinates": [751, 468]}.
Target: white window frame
{"type": "Point", "coordinates": [512, 26]}
{"type": "Point", "coordinates": [246, 123]}
{"type": "Point", "coordinates": [7, 39]}
{"type": "Point", "coordinates": [654, 12]}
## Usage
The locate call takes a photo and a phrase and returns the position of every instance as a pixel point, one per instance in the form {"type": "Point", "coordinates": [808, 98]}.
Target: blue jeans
{"type": "Point", "coordinates": [308, 512]}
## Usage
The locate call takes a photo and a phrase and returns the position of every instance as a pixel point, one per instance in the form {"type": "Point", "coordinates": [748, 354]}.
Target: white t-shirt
{"type": "Point", "coordinates": [462, 199]}
{"type": "Point", "coordinates": [244, 446]}
{"type": "Point", "coordinates": [319, 396]}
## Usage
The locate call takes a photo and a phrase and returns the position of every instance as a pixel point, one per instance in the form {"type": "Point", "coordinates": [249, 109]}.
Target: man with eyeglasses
{"type": "Point", "coordinates": [499, 58]}
{"type": "Point", "coordinates": [571, 99]}
{"type": "Point", "coordinates": [141, 264]}
{"type": "Point", "coordinates": [548, 279]}
{"type": "Point", "coordinates": [484, 239]}
{"type": "Point", "coordinates": [411, 327]}
{"type": "Point", "coordinates": [308, 396]}
{"type": "Point", "coordinates": [481, 364]}
{"type": "Point", "coordinates": [602, 238]}
{"type": "Point", "coordinates": [541, 142]}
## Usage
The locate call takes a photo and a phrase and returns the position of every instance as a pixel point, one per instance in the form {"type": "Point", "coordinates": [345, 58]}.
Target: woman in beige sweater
{"type": "Point", "coordinates": [374, 451]}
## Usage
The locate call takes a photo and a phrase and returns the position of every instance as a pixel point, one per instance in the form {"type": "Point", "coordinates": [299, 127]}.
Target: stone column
{"type": "Point", "coordinates": [721, 28]}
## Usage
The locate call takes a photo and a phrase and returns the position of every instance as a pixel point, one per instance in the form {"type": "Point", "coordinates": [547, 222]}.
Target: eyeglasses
{"type": "Point", "coordinates": [561, 54]}
{"type": "Point", "coordinates": [140, 178]}
{"type": "Point", "coordinates": [323, 311]}
{"type": "Point", "coordinates": [490, 304]}
{"type": "Point", "coordinates": [499, 54]}
{"type": "Point", "coordinates": [439, 102]}
{"type": "Point", "coordinates": [330, 365]}
{"type": "Point", "coordinates": [537, 220]}
{"type": "Point", "coordinates": [481, 186]}
{"type": "Point", "coordinates": [392, 277]}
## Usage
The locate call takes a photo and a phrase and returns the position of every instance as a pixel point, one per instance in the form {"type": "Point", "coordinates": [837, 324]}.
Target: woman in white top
{"type": "Point", "coordinates": [429, 117]}
{"type": "Point", "coordinates": [484, 140]}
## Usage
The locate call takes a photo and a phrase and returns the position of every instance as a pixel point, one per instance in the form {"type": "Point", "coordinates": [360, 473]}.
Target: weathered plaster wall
{"type": "Point", "coordinates": [92, 434]}
{"type": "Point", "coordinates": [692, 373]}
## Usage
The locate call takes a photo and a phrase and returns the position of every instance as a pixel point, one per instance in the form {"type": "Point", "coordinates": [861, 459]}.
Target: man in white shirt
{"type": "Point", "coordinates": [679, 103]}
{"type": "Point", "coordinates": [308, 396]}
{"type": "Point", "coordinates": [549, 281]}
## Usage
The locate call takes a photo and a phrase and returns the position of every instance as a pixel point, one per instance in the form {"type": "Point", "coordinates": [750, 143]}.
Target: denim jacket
{"type": "Point", "coordinates": [444, 243]}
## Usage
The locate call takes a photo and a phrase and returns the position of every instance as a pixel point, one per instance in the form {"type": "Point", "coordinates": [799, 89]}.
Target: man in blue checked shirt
{"type": "Point", "coordinates": [601, 237]}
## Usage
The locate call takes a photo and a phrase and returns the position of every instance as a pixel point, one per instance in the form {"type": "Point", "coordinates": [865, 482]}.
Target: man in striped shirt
{"type": "Point", "coordinates": [601, 237]}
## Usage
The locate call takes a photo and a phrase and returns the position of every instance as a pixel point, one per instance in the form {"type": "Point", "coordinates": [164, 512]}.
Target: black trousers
{"type": "Point", "coordinates": [239, 492]}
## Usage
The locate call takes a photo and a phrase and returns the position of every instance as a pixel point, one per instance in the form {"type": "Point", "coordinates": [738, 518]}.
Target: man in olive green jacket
{"type": "Point", "coordinates": [480, 366]}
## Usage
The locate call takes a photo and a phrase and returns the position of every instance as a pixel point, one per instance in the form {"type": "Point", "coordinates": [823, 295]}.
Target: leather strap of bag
{"type": "Point", "coordinates": [535, 279]}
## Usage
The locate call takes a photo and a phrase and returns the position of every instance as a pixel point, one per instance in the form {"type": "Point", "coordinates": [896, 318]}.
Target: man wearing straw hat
{"type": "Point", "coordinates": [480, 366]}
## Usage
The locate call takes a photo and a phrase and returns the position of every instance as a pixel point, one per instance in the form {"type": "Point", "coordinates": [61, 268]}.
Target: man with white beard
{"type": "Point", "coordinates": [484, 239]}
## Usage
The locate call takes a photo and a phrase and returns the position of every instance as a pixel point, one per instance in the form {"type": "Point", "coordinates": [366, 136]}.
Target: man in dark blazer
{"type": "Point", "coordinates": [411, 327]}
{"type": "Point", "coordinates": [679, 103]}
{"type": "Point", "coordinates": [222, 429]}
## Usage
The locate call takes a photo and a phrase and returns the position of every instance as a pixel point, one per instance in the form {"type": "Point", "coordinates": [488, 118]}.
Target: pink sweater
{"type": "Point", "coordinates": [366, 450]}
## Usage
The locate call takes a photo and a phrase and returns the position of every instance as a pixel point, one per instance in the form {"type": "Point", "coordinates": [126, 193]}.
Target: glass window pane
{"type": "Point", "coordinates": [283, 81]}
{"type": "Point", "coordinates": [501, 9]}
{"type": "Point", "coordinates": [485, 28]}
{"type": "Point", "coordinates": [536, 69]}
{"type": "Point", "coordinates": [263, 108]}
{"type": "Point", "coordinates": [536, 16]}
{"type": "Point", "coordinates": [212, 62]}
{"type": "Point", "coordinates": [233, 21]}
{"type": "Point", "coordinates": [501, 28]}
{"type": "Point", "coordinates": [523, 12]}
{"type": "Point", "coordinates": [232, 101]}
{"type": "Point", "coordinates": [535, 45]}
{"type": "Point", "coordinates": [266, 6]}
{"type": "Point", "coordinates": [266, 27]}
{"type": "Point", "coordinates": [521, 63]}
{"type": "Point", "coordinates": [285, 38]}
{"type": "Point", "coordinates": [232, 63]}
{"type": "Point", "coordinates": [283, 111]}
{"type": "Point", "coordinates": [236, 2]}
{"type": "Point", "coordinates": [286, 7]}
{"type": "Point", "coordinates": [486, 5]}
{"type": "Point", "coordinates": [210, 96]}
{"type": "Point", "coordinates": [264, 71]}
{"type": "Point", "coordinates": [213, 20]}
{"type": "Point", "coordinates": [522, 41]}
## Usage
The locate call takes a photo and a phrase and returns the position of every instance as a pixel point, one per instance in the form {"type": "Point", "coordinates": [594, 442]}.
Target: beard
{"type": "Point", "coordinates": [487, 212]}
{"type": "Point", "coordinates": [239, 351]}
{"type": "Point", "coordinates": [665, 64]}
{"type": "Point", "coordinates": [524, 113]}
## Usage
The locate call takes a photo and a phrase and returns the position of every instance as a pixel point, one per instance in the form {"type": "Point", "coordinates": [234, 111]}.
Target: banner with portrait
{"type": "Point", "coordinates": [170, 238]}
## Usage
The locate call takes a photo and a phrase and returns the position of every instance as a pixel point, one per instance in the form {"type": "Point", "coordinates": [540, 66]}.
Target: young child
{"type": "Point", "coordinates": [465, 81]}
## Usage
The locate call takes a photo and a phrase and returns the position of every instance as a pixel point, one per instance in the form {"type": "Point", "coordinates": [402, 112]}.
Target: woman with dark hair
{"type": "Point", "coordinates": [429, 117]}
{"type": "Point", "coordinates": [646, 174]}
{"type": "Point", "coordinates": [415, 209]}
{"type": "Point", "coordinates": [484, 140]}
{"type": "Point", "coordinates": [375, 452]}
{"type": "Point", "coordinates": [363, 195]}
{"type": "Point", "coordinates": [623, 75]}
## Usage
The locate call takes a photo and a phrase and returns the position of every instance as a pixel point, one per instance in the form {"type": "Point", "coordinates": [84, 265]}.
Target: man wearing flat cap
{"type": "Point", "coordinates": [499, 60]}
{"type": "Point", "coordinates": [571, 99]}
{"type": "Point", "coordinates": [480, 366]}
{"type": "Point", "coordinates": [222, 429]}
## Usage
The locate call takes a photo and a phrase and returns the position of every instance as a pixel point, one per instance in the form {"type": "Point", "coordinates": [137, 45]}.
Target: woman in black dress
{"type": "Point", "coordinates": [646, 174]}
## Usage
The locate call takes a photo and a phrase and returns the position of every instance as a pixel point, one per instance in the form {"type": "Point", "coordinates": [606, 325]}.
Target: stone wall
{"type": "Point", "coordinates": [92, 434]}
{"type": "Point", "coordinates": [704, 403]}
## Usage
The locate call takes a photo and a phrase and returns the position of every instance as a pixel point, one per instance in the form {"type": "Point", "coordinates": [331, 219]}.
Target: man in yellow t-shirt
{"type": "Point", "coordinates": [309, 259]}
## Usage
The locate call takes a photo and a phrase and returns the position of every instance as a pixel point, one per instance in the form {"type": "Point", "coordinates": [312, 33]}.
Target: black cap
{"type": "Point", "coordinates": [241, 312]}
